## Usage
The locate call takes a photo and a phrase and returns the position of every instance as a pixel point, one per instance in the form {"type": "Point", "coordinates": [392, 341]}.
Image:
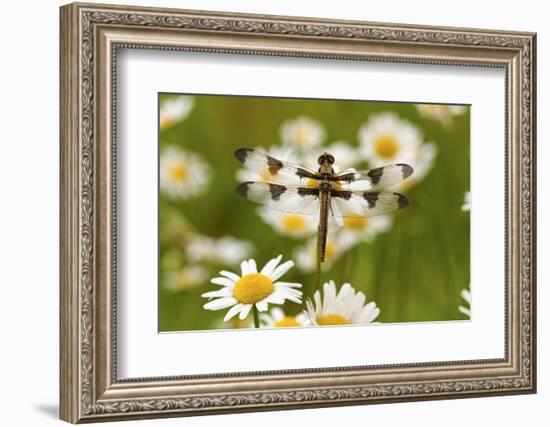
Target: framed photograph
{"type": "Point", "coordinates": [265, 212]}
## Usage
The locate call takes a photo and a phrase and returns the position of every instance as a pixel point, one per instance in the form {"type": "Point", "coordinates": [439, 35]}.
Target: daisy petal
{"type": "Point", "coordinates": [345, 291]}
{"type": "Point", "coordinates": [357, 304]}
{"type": "Point", "coordinates": [281, 269]}
{"type": "Point", "coordinates": [261, 305]}
{"type": "Point", "coordinates": [292, 298]}
{"type": "Point", "coordinates": [275, 299]}
{"type": "Point", "coordinates": [289, 285]}
{"type": "Point", "coordinates": [310, 311]}
{"type": "Point", "coordinates": [329, 294]}
{"type": "Point", "coordinates": [344, 299]}
{"type": "Point", "coordinates": [252, 266]}
{"type": "Point", "coordinates": [288, 296]}
{"type": "Point", "coordinates": [244, 311]}
{"type": "Point", "coordinates": [464, 310]}
{"type": "Point", "coordinates": [220, 303]}
{"type": "Point", "coordinates": [270, 266]}
{"type": "Point", "coordinates": [224, 292]}
{"type": "Point", "coordinates": [232, 312]}
{"type": "Point", "coordinates": [232, 276]}
{"type": "Point", "coordinates": [374, 314]}
{"type": "Point", "coordinates": [318, 306]}
{"type": "Point", "coordinates": [369, 313]}
{"type": "Point", "coordinates": [289, 291]}
{"type": "Point", "coordinates": [465, 294]}
{"type": "Point", "coordinates": [244, 267]}
{"type": "Point", "coordinates": [248, 266]}
{"type": "Point", "coordinates": [223, 281]}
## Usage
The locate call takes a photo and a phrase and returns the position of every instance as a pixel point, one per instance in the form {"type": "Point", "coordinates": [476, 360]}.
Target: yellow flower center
{"type": "Point", "coordinates": [356, 222]}
{"type": "Point", "coordinates": [294, 222]}
{"type": "Point", "coordinates": [286, 322]}
{"type": "Point", "coordinates": [386, 146]}
{"type": "Point", "coordinates": [178, 172]}
{"type": "Point", "coordinates": [302, 135]}
{"type": "Point", "coordinates": [332, 319]}
{"type": "Point", "coordinates": [252, 288]}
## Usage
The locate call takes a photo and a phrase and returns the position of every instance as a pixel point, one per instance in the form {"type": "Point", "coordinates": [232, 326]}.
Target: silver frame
{"type": "Point", "coordinates": [90, 37]}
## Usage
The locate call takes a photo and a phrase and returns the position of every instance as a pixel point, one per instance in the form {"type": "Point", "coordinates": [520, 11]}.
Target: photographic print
{"type": "Point", "coordinates": [285, 212]}
{"type": "Point", "coordinates": [197, 213]}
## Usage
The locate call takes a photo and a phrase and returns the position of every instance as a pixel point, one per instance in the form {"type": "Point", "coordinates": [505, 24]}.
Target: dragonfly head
{"type": "Point", "coordinates": [325, 159]}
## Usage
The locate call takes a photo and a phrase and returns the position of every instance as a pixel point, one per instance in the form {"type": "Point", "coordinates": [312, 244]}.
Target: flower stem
{"type": "Point", "coordinates": [256, 317]}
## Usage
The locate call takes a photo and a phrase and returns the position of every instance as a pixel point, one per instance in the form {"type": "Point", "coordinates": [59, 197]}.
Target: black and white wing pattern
{"type": "Point", "coordinates": [377, 178]}
{"type": "Point", "coordinates": [365, 203]}
{"type": "Point", "coordinates": [284, 198]}
{"type": "Point", "coordinates": [271, 169]}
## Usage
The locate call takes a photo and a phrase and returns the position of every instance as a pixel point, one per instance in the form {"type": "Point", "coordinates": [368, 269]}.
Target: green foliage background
{"type": "Point", "coordinates": [414, 272]}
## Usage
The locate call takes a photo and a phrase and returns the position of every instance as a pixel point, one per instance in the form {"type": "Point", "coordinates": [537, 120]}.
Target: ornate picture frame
{"type": "Point", "coordinates": [90, 37]}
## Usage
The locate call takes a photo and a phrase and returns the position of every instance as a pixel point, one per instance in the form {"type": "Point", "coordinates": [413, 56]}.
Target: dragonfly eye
{"type": "Point", "coordinates": [325, 158]}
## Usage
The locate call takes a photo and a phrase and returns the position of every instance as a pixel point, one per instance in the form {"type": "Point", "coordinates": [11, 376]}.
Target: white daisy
{"type": "Point", "coordinates": [343, 308]}
{"type": "Point", "coordinates": [290, 225]}
{"type": "Point", "coordinates": [175, 109]}
{"type": "Point", "coordinates": [467, 297]}
{"type": "Point", "coordinates": [282, 153]}
{"type": "Point", "coordinates": [276, 318]}
{"type": "Point", "coordinates": [306, 255]}
{"type": "Point", "coordinates": [442, 113]}
{"type": "Point", "coordinates": [222, 250]}
{"type": "Point", "coordinates": [182, 174]}
{"type": "Point", "coordinates": [360, 228]}
{"type": "Point", "coordinates": [187, 278]}
{"type": "Point", "coordinates": [467, 205]}
{"type": "Point", "coordinates": [252, 289]}
{"type": "Point", "coordinates": [302, 133]}
{"type": "Point", "coordinates": [387, 139]}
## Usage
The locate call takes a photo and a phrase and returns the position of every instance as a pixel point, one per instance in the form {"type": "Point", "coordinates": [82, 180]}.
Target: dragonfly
{"type": "Point", "coordinates": [291, 188]}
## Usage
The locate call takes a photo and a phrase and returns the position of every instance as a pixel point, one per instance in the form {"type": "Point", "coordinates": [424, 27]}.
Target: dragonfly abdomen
{"type": "Point", "coordinates": [324, 200]}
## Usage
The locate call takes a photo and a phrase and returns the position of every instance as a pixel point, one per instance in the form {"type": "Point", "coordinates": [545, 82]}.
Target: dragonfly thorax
{"type": "Point", "coordinates": [325, 185]}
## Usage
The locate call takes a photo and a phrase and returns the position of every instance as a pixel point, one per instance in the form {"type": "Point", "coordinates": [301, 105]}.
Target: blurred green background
{"type": "Point", "coordinates": [414, 271]}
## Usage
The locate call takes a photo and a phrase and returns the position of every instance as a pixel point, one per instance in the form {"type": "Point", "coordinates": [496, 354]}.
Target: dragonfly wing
{"type": "Point", "coordinates": [366, 203]}
{"type": "Point", "coordinates": [271, 169]}
{"type": "Point", "coordinates": [377, 178]}
{"type": "Point", "coordinates": [284, 198]}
